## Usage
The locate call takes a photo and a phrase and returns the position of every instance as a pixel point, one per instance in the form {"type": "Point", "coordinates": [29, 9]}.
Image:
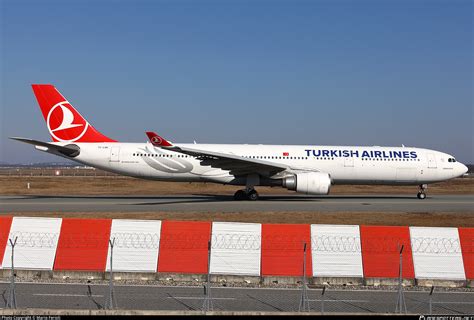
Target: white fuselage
{"type": "Point", "coordinates": [345, 165]}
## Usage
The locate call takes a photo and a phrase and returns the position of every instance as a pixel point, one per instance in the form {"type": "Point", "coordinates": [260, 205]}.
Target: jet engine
{"type": "Point", "coordinates": [309, 183]}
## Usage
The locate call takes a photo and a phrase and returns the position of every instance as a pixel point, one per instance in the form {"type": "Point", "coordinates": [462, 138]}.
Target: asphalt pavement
{"type": "Point", "coordinates": [222, 203]}
{"type": "Point", "coordinates": [140, 297]}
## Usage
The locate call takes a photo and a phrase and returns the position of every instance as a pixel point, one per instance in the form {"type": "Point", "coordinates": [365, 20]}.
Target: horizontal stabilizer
{"type": "Point", "coordinates": [70, 150]}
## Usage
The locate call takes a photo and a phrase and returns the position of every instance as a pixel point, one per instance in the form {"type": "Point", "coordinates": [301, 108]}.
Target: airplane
{"type": "Point", "coordinates": [306, 169]}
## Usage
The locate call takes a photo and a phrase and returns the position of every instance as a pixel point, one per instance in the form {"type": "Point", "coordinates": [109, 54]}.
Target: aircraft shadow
{"type": "Point", "coordinates": [164, 200]}
{"type": "Point", "coordinates": [210, 198]}
{"type": "Point", "coordinates": [317, 198]}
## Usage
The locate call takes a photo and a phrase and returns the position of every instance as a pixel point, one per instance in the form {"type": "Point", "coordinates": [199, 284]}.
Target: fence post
{"type": "Point", "coordinates": [431, 299]}
{"type": "Point", "coordinates": [401, 305]}
{"type": "Point", "coordinates": [11, 304]}
{"type": "Point", "coordinates": [111, 303]}
{"type": "Point", "coordinates": [304, 301]}
{"type": "Point", "coordinates": [322, 299]}
{"type": "Point", "coordinates": [208, 305]}
{"type": "Point", "coordinates": [89, 296]}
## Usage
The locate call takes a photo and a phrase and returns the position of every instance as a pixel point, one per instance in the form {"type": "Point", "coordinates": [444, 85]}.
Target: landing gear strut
{"type": "Point", "coordinates": [421, 192]}
{"type": "Point", "coordinates": [246, 194]}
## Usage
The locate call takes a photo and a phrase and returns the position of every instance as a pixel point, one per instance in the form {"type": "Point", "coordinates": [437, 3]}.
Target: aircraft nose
{"type": "Point", "coordinates": [464, 169]}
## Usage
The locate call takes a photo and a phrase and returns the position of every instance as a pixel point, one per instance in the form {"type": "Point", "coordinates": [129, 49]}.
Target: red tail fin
{"type": "Point", "coordinates": [64, 123]}
{"type": "Point", "coordinates": [158, 141]}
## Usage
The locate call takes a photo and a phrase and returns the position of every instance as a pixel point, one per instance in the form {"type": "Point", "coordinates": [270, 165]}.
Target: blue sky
{"type": "Point", "coordinates": [278, 72]}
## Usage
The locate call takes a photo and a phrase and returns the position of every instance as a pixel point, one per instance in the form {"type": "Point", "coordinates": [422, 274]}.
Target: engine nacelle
{"type": "Point", "coordinates": [309, 183]}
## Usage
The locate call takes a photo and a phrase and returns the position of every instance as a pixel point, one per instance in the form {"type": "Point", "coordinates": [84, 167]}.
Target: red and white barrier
{"type": "Point", "coordinates": [466, 236]}
{"type": "Point", "coordinates": [381, 247]}
{"type": "Point", "coordinates": [336, 251]}
{"type": "Point", "coordinates": [136, 246]}
{"type": "Point", "coordinates": [238, 248]}
{"type": "Point", "coordinates": [5, 225]}
{"type": "Point", "coordinates": [37, 240]}
{"type": "Point", "coordinates": [282, 249]}
{"type": "Point", "coordinates": [184, 247]}
{"type": "Point", "coordinates": [83, 244]}
{"type": "Point", "coordinates": [437, 253]}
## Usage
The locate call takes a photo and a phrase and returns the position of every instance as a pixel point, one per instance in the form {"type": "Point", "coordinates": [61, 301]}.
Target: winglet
{"type": "Point", "coordinates": [157, 141]}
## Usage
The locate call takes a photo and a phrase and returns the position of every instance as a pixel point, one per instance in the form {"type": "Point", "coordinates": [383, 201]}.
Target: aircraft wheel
{"type": "Point", "coordinates": [240, 195]}
{"type": "Point", "coordinates": [421, 195]}
{"type": "Point", "coordinates": [253, 195]}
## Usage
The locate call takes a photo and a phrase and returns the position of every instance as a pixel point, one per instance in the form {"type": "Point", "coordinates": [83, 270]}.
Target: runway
{"type": "Point", "coordinates": [221, 203]}
{"type": "Point", "coordinates": [135, 297]}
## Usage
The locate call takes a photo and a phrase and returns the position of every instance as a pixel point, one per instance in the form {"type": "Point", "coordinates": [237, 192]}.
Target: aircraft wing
{"type": "Point", "coordinates": [237, 165]}
{"type": "Point", "coordinates": [68, 150]}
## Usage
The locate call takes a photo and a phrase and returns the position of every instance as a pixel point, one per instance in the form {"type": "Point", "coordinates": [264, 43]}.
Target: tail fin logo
{"type": "Point", "coordinates": [156, 140]}
{"type": "Point", "coordinates": [65, 124]}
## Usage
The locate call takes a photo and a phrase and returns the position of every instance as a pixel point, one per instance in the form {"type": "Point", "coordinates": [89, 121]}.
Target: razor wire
{"type": "Point", "coordinates": [436, 245]}
{"type": "Point", "coordinates": [35, 239]}
{"type": "Point", "coordinates": [239, 241]}
{"type": "Point", "coordinates": [330, 243]}
{"type": "Point", "coordinates": [136, 240]}
{"type": "Point", "coordinates": [236, 241]}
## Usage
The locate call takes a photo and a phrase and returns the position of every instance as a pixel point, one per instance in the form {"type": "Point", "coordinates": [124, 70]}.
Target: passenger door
{"type": "Point", "coordinates": [431, 160]}
{"type": "Point", "coordinates": [114, 154]}
{"type": "Point", "coordinates": [349, 162]}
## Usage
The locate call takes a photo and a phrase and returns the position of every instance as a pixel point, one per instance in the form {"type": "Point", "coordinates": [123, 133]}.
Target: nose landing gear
{"type": "Point", "coordinates": [421, 192]}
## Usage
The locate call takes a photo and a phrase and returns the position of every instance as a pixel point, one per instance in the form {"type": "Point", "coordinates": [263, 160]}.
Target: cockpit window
{"type": "Point", "coordinates": [451, 160]}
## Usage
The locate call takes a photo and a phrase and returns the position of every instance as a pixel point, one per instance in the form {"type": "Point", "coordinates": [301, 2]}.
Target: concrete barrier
{"type": "Point", "coordinates": [339, 281]}
{"type": "Point", "coordinates": [388, 282]}
{"type": "Point", "coordinates": [441, 283]}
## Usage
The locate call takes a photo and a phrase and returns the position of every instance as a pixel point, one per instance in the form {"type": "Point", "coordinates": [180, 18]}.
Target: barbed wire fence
{"type": "Point", "coordinates": [184, 241]}
{"type": "Point", "coordinates": [230, 241]}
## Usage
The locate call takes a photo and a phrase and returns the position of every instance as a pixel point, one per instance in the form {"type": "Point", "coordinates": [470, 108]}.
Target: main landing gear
{"type": "Point", "coordinates": [421, 192]}
{"type": "Point", "coordinates": [246, 194]}
{"type": "Point", "coordinates": [249, 193]}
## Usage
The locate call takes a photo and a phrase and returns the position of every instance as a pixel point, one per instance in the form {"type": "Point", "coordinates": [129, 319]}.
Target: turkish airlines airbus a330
{"type": "Point", "coordinates": [308, 169]}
